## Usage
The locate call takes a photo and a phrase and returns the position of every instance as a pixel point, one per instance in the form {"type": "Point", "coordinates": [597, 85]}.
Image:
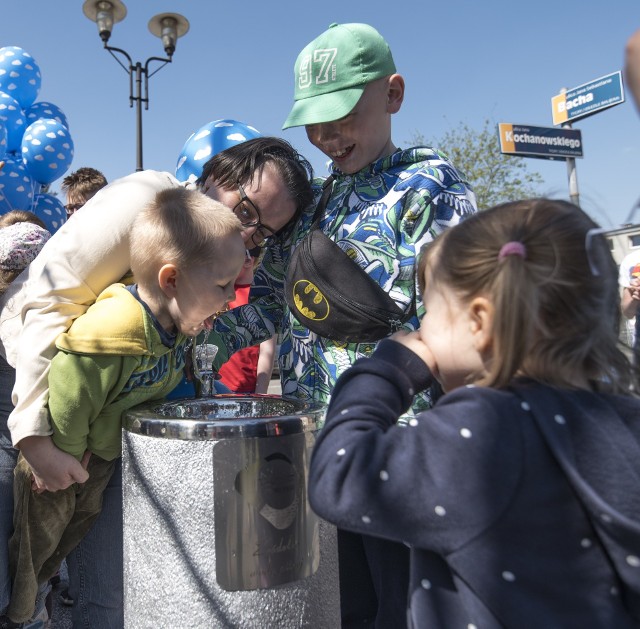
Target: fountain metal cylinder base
{"type": "Point", "coordinates": [217, 527]}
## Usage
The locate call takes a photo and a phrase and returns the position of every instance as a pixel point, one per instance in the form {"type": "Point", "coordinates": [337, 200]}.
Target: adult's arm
{"type": "Point", "coordinates": [87, 254]}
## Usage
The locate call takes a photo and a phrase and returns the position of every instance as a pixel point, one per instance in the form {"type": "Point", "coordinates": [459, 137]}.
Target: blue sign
{"type": "Point", "coordinates": [543, 142]}
{"type": "Point", "coordinates": [588, 98]}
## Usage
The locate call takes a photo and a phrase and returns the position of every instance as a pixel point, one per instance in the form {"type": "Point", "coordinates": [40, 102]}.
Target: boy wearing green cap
{"type": "Point", "coordinates": [384, 205]}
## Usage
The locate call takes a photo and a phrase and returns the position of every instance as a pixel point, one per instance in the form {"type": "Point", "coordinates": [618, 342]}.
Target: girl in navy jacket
{"type": "Point", "coordinates": [518, 493]}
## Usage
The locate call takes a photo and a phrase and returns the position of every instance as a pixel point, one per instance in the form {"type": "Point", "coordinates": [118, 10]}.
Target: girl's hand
{"type": "Point", "coordinates": [414, 342]}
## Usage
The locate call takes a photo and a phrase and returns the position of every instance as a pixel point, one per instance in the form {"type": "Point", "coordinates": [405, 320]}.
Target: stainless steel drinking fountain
{"type": "Point", "coordinates": [218, 531]}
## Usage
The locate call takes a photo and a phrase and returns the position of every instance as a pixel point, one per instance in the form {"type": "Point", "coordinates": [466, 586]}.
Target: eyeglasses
{"type": "Point", "coordinates": [72, 207]}
{"type": "Point", "coordinates": [249, 216]}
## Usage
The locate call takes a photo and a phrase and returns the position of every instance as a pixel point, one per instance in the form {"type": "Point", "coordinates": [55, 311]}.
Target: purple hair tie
{"type": "Point", "coordinates": [513, 248]}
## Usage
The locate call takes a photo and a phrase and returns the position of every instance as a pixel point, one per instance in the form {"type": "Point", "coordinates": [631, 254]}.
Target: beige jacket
{"type": "Point", "coordinates": [87, 254]}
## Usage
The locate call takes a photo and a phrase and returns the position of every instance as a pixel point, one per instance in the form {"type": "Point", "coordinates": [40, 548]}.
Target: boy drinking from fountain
{"type": "Point", "coordinates": [128, 348]}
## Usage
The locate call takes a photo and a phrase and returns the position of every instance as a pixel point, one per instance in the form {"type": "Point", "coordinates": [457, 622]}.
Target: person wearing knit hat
{"type": "Point", "coordinates": [20, 243]}
{"type": "Point", "coordinates": [22, 237]}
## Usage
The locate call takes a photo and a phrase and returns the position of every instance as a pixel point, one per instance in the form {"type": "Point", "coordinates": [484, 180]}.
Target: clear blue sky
{"type": "Point", "coordinates": [463, 61]}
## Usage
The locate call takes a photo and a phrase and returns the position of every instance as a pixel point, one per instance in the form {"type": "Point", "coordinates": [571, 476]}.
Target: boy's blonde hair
{"type": "Point", "coordinates": [181, 227]}
{"type": "Point", "coordinates": [557, 308]}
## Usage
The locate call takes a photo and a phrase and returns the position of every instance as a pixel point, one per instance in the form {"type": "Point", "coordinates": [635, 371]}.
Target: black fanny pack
{"type": "Point", "coordinates": [332, 295]}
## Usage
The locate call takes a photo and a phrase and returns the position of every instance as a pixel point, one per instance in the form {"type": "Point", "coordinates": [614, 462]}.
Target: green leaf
{"type": "Point", "coordinates": [494, 177]}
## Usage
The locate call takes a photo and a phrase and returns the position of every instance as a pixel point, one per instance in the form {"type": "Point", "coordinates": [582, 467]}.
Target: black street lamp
{"type": "Point", "coordinates": [167, 26]}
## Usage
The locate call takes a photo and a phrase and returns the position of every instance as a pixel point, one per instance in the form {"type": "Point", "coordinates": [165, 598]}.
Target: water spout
{"type": "Point", "coordinates": [203, 355]}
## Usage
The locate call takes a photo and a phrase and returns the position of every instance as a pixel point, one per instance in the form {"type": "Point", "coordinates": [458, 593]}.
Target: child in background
{"type": "Point", "coordinates": [518, 492]}
{"type": "Point", "coordinates": [23, 239]}
{"type": "Point", "coordinates": [22, 236]}
{"type": "Point", "coordinates": [80, 186]}
{"type": "Point", "coordinates": [629, 280]}
{"type": "Point", "coordinates": [128, 348]}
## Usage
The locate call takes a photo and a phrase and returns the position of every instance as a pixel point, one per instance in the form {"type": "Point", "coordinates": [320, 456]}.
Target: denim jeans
{"type": "Point", "coordinates": [95, 565]}
{"type": "Point", "coordinates": [8, 458]}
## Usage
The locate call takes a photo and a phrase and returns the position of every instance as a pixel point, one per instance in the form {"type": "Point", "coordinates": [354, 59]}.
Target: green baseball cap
{"type": "Point", "coordinates": [332, 71]}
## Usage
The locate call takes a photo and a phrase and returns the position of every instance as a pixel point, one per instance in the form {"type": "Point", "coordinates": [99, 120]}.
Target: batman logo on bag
{"type": "Point", "coordinates": [310, 301]}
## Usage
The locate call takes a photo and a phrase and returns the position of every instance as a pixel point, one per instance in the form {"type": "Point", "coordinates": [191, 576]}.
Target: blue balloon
{"type": "Point", "coordinates": [17, 188]}
{"type": "Point", "coordinates": [43, 109]}
{"type": "Point", "coordinates": [13, 118]}
{"type": "Point", "coordinates": [3, 140]}
{"type": "Point", "coordinates": [47, 150]}
{"type": "Point", "coordinates": [208, 140]}
{"type": "Point", "coordinates": [19, 75]}
{"type": "Point", "coordinates": [49, 209]}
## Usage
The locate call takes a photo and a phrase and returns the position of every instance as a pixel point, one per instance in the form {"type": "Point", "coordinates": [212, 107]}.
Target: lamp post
{"type": "Point", "coordinates": [167, 26]}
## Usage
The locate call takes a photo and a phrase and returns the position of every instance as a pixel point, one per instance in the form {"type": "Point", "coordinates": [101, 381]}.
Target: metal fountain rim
{"type": "Point", "coordinates": [152, 420]}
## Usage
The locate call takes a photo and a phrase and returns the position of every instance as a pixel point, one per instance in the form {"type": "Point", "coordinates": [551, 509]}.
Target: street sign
{"type": "Point", "coordinates": [542, 142]}
{"type": "Point", "coordinates": [588, 98]}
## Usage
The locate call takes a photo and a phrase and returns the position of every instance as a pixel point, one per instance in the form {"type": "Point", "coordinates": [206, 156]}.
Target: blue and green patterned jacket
{"type": "Point", "coordinates": [382, 215]}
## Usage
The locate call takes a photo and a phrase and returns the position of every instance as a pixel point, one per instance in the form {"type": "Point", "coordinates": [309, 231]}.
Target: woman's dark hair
{"type": "Point", "coordinates": [245, 161]}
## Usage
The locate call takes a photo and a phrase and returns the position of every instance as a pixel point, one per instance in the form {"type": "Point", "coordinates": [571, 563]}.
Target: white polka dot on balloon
{"type": "Point", "coordinates": [13, 118]}
{"type": "Point", "coordinates": [50, 210]}
{"type": "Point", "coordinates": [20, 76]}
{"type": "Point", "coordinates": [47, 150]}
{"type": "Point", "coordinates": [17, 188]}
{"type": "Point", "coordinates": [44, 109]}
{"type": "Point", "coordinates": [209, 140]}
